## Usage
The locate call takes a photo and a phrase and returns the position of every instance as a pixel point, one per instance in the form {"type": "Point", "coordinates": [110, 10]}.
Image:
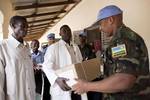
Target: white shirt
{"type": "Point", "coordinates": [59, 55]}
{"type": "Point", "coordinates": [16, 71]}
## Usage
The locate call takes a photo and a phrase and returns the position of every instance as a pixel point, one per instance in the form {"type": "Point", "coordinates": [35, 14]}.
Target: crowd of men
{"type": "Point", "coordinates": [26, 75]}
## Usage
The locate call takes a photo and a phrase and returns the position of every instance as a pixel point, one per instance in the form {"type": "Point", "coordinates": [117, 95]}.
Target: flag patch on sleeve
{"type": "Point", "coordinates": [119, 51]}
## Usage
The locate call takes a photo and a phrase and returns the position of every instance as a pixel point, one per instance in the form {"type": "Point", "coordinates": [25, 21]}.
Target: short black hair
{"type": "Point", "coordinates": [35, 40]}
{"type": "Point", "coordinates": [66, 29]}
{"type": "Point", "coordinates": [15, 19]}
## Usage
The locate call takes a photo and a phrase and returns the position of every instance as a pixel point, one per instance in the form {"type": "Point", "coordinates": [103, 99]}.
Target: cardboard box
{"type": "Point", "coordinates": [87, 70]}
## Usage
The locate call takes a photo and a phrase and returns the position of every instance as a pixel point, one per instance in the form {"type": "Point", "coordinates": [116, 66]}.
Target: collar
{"type": "Point", "coordinates": [63, 42]}
{"type": "Point", "coordinates": [118, 34]}
{"type": "Point", "coordinates": [16, 43]}
{"type": "Point", "coordinates": [39, 52]}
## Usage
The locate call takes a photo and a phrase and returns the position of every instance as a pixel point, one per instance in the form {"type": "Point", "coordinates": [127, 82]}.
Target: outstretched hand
{"type": "Point", "coordinates": [62, 83]}
{"type": "Point", "coordinates": [80, 87]}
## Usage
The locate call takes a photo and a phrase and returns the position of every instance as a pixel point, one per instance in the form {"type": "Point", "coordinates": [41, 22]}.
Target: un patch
{"type": "Point", "coordinates": [119, 51]}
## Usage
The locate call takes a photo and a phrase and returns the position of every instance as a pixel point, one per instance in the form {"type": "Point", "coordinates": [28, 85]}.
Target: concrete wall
{"type": "Point", "coordinates": [136, 16]}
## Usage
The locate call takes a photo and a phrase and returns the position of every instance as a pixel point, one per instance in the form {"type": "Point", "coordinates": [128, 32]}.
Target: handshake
{"type": "Point", "coordinates": [79, 87]}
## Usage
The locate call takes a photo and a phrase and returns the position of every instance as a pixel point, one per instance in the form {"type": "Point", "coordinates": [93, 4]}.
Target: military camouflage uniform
{"type": "Point", "coordinates": [134, 62]}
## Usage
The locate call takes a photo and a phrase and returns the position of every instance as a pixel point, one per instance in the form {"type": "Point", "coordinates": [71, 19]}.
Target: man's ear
{"type": "Point", "coordinates": [111, 20]}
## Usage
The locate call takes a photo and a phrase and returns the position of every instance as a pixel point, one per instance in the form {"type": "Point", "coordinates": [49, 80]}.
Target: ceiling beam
{"type": "Point", "coordinates": [35, 5]}
{"type": "Point", "coordinates": [44, 28]}
{"type": "Point", "coordinates": [41, 20]}
{"type": "Point", "coordinates": [45, 24]}
{"type": "Point", "coordinates": [35, 33]}
{"type": "Point", "coordinates": [30, 37]}
{"type": "Point", "coordinates": [49, 22]}
{"type": "Point", "coordinates": [36, 30]}
{"type": "Point", "coordinates": [30, 28]}
{"type": "Point", "coordinates": [44, 14]}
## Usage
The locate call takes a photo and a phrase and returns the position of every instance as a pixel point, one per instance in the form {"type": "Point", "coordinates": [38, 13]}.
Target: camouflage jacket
{"type": "Point", "coordinates": [127, 53]}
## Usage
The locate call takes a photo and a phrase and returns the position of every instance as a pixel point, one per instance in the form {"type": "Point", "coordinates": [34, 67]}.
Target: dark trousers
{"type": "Point", "coordinates": [90, 95]}
{"type": "Point", "coordinates": [75, 96]}
{"type": "Point", "coordinates": [38, 81]}
{"type": "Point", "coordinates": [46, 94]}
{"type": "Point", "coordinates": [94, 96]}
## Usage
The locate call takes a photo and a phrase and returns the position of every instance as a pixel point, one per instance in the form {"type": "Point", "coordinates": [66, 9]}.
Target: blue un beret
{"type": "Point", "coordinates": [51, 36]}
{"type": "Point", "coordinates": [108, 11]}
{"type": "Point", "coordinates": [82, 34]}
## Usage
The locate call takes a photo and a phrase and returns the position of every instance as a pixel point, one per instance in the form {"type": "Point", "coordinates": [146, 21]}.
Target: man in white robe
{"type": "Point", "coordinates": [16, 71]}
{"type": "Point", "coordinates": [58, 55]}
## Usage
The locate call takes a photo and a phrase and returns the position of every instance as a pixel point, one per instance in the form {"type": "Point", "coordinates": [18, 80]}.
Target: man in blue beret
{"type": "Point", "coordinates": [86, 49]}
{"type": "Point", "coordinates": [51, 38]}
{"type": "Point", "coordinates": [46, 94]}
{"type": "Point", "coordinates": [126, 63]}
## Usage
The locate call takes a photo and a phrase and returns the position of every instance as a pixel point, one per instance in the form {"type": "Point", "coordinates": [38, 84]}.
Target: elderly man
{"type": "Point", "coordinates": [58, 55]}
{"type": "Point", "coordinates": [16, 68]}
{"type": "Point", "coordinates": [126, 65]}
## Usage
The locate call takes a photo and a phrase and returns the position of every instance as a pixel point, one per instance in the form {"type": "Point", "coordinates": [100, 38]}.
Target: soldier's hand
{"type": "Point", "coordinates": [62, 83]}
{"type": "Point", "coordinates": [80, 87]}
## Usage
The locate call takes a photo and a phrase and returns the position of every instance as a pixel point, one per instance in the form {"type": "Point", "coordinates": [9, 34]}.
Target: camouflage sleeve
{"type": "Point", "coordinates": [136, 60]}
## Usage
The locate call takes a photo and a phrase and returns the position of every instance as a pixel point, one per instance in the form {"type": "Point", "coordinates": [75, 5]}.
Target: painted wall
{"type": "Point", "coordinates": [7, 11]}
{"type": "Point", "coordinates": [136, 16]}
{"type": "Point", "coordinates": [1, 23]}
